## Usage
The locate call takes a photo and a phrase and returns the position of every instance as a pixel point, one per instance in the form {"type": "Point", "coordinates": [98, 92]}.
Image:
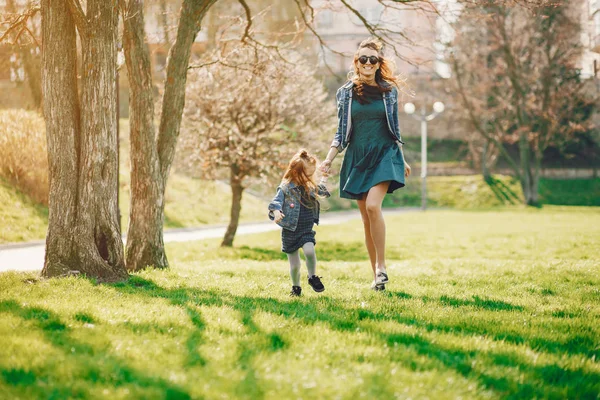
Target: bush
{"type": "Point", "coordinates": [23, 155]}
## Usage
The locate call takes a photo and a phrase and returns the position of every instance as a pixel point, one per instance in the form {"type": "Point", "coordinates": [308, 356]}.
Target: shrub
{"type": "Point", "coordinates": [23, 154]}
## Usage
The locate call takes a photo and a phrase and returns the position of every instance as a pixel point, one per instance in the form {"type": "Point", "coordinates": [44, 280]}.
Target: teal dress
{"type": "Point", "coordinates": [372, 156]}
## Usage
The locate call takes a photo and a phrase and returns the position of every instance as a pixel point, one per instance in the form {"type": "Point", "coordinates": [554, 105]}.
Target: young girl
{"type": "Point", "coordinates": [296, 208]}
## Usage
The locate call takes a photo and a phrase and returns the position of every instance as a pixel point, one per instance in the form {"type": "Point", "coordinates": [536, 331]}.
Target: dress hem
{"type": "Point", "coordinates": [394, 185]}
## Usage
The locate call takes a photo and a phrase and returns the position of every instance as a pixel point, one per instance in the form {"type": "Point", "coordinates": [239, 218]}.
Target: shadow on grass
{"type": "Point", "coordinates": [541, 381]}
{"type": "Point", "coordinates": [492, 369]}
{"type": "Point", "coordinates": [326, 251]}
{"type": "Point", "coordinates": [478, 302]}
{"type": "Point", "coordinates": [112, 371]}
{"type": "Point", "coordinates": [502, 192]}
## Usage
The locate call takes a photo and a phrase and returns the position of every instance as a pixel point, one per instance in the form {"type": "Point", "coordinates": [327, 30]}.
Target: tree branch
{"type": "Point", "coordinates": [79, 17]}
{"type": "Point", "coordinates": [477, 124]}
{"type": "Point", "coordinates": [248, 20]}
{"type": "Point", "coordinates": [322, 43]}
{"type": "Point", "coordinates": [20, 21]}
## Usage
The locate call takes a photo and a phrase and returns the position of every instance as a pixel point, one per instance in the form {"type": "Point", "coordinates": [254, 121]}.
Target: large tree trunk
{"type": "Point", "coordinates": [98, 231]}
{"type": "Point", "coordinates": [61, 113]}
{"type": "Point", "coordinates": [236, 206]}
{"type": "Point", "coordinates": [145, 245]}
{"type": "Point", "coordinates": [145, 237]}
{"type": "Point", "coordinates": [92, 231]}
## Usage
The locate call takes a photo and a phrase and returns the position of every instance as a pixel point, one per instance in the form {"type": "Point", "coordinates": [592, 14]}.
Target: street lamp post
{"type": "Point", "coordinates": [438, 108]}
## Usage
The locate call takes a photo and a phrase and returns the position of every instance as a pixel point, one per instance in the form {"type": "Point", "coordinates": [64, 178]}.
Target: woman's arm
{"type": "Point", "coordinates": [407, 169]}
{"type": "Point", "coordinates": [326, 164]}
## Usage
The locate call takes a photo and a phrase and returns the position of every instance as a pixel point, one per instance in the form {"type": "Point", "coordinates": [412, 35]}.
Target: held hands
{"type": "Point", "coordinates": [324, 167]}
{"type": "Point", "coordinates": [278, 216]}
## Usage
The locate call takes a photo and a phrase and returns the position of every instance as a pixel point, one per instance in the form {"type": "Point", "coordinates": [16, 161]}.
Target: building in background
{"type": "Point", "coordinates": [590, 65]}
{"type": "Point", "coordinates": [414, 30]}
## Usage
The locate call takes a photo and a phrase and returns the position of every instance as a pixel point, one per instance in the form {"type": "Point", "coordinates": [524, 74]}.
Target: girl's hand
{"type": "Point", "coordinates": [407, 169]}
{"type": "Point", "coordinates": [278, 215]}
{"type": "Point", "coordinates": [324, 167]}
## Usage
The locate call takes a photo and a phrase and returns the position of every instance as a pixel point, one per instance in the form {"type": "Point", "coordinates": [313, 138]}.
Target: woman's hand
{"type": "Point", "coordinates": [278, 215]}
{"type": "Point", "coordinates": [407, 169]}
{"type": "Point", "coordinates": [325, 165]}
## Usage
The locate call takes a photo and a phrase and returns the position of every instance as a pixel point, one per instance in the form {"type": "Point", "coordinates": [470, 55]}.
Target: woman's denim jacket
{"type": "Point", "coordinates": [287, 200]}
{"type": "Point", "coordinates": [344, 104]}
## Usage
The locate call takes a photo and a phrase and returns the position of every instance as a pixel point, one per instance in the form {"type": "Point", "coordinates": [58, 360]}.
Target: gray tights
{"type": "Point", "coordinates": [311, 262]}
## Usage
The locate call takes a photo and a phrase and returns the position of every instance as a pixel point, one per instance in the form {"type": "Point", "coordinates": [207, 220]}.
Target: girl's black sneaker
{"type": "Point", "coordinates": [296, 291]}
{"type": "Point", "coordinates": [315, 282]}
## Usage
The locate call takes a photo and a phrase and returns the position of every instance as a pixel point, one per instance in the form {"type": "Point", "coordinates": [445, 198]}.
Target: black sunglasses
{"type": "Point", "coordinates": [373, 60]}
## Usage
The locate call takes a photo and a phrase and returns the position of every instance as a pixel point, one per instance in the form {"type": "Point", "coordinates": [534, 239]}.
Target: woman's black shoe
{"type": "Point", "coordinates": [296, 291]}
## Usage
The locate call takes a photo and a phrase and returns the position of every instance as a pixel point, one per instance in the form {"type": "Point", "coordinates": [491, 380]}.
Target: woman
{"type": "Point", "coordinates": [374, 162]}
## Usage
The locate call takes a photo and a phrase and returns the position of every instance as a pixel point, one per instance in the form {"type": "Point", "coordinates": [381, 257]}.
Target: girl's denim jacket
{"type": "Point", "coordinates": [344, 104]}
{"type": "Point", "coordinates": [287, 200]}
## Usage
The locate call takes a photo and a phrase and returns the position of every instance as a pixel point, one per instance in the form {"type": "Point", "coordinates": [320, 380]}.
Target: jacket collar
{"type": "Point", "coordinates": [347, 87]}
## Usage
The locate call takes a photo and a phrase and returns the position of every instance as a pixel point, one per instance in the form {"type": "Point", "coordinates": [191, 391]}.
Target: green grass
{"type": "Point", "coordinates": [21, 219]}
{"type": "Point", "coordinates": [502, 304]}
{"type": "Point", "coordinates": [570, 191]}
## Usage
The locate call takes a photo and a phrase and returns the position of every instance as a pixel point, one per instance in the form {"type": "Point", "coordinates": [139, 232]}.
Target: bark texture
{"type": "Point", "coordinates": [83, 233]}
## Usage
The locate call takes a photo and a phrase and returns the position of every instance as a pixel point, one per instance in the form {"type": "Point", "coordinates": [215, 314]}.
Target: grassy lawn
{"type": "Point", "coordinates": [502, 304]}
{"type": "Point", "coordinates": [473, 192]}
{"type": "Point", "coordinates": [21, 219]}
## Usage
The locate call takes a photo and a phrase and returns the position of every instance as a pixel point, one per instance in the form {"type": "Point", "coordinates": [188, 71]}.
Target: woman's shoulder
{"type": "Point", "coordinates": [346, 86]}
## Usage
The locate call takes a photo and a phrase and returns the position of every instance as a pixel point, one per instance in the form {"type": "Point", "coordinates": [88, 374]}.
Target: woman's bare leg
{"type": "Point", "coordinates": [374, 199]}
{"type": "Point", "coordinates": [362, 206]}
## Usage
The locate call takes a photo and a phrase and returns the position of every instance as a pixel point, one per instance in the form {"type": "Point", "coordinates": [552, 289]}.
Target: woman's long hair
{"type": "Point", "coordinates": [296, 172]}
{"type": "Point", "coordinates": [385, 76]}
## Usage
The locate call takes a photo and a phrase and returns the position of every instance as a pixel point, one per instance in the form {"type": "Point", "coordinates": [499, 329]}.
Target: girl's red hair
{"type": "Point", "coordinates": [296, 171]}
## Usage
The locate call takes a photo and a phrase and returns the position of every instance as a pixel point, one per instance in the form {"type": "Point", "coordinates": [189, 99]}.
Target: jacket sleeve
{"type": "Point", "coordinates": [276, 203]}
{"type": "Point", "coordinates": [396, 116]}
{"type": "Point", "coordinates": [337, 139]}
{"type": "Point", "coordinates": [322, 190]}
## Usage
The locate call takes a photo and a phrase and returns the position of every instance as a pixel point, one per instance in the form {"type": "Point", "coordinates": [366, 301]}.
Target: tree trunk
{"type": "Point", "coordinates": [145, 245]}
{"type": "Point", "coordinates": [484, 160]}
{"type": "Point", "coordinates": [525, 168]}
{"type": "Point", "coordinates": [535, 178]}
{"type": "Point", "coordinates": [98, 231]}
{"type": "Point", "coordinates": [150, 171]}
{"type": "Point", "coordinates": [92, 231]}
{"type": "Point", "coordinates": [236, 206]}
{"type": "Point", "coordinates": [61, 113]}
{"type": "Point", "coordinates": [192, 13]}
{"type": "Point", "coordinates": [32, 70]}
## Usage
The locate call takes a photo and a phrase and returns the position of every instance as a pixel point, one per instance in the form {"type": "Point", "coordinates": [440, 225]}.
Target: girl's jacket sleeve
{"type": "Point", "coordinates": [322, 190]}
{"type": "Point", "coordinates": [276, 203]}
